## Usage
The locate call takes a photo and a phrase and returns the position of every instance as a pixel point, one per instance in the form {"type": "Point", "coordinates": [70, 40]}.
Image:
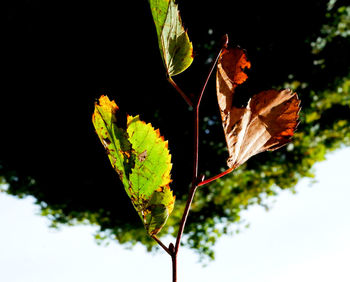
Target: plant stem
{"type": "Point", "coordinates": [160, 243]}
{"type": "Point", "coordinates": [174, 267]}
{"type": "Point", "coordinates": [194, 182]}
{"type": "Point", "coordinates": [215, 177]}
{"type": "Point", "coordinates": [178, 89]}
{"type": "Point", "coordinates": [190, 197]}
{"type": "Point", "coordinates": [209, 75]}
{"type": "Point", "coordinates": [173, 250]}
{"type": "Point", "coordinates": [194, 185]}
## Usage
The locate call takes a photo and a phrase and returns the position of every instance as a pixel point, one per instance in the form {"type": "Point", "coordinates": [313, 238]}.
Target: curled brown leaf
{"type": "Point", "coordinates": [267, 122]}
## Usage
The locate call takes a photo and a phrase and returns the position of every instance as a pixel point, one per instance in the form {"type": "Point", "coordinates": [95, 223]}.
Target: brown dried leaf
{"type": "Point", "coordinates": [230, 73]}
{"type": "Point", "coordinates": [266, 123]}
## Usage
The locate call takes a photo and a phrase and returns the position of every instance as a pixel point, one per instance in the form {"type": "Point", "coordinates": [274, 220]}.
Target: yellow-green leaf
{"type": "Point", "coordinates": [140, 156]}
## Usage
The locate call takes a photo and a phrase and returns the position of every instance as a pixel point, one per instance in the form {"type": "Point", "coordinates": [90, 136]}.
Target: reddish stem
{"type": "Point", "coordinates": [206, 81]}
{"type": "Point", "coordinates": [174, 266]}
{"type": "Point", "coordinates": [194, 183]}
{"type": "Point", "coordinates": [195, 172]}
{"type": "Point", "coordinates": [178, 89]}
{"type": "Point", "coordinates": [160, 243]}
{"type": "Point", "coordinates": [215, 177]}
{"type": "Point", "coordinates": [173, 250]}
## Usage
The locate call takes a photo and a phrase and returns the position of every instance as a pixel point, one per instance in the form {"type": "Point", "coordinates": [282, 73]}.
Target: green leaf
{"type": "Point", "coordinates": [174, 43]}
{"type": "Point", "coordinates": [160, 207]}
{"type": "Point", "coordinates": [140, 156]}
{"type": "Point", "coordinates": [114, 139]}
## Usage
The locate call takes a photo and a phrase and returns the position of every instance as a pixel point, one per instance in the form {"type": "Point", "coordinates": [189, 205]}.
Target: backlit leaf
{"type": "Point", "coordinates": [174, 44]}
{"type": "Point", "coordinates": [141, 158]}
{"type": "Point", "coordinates": [266, 123]}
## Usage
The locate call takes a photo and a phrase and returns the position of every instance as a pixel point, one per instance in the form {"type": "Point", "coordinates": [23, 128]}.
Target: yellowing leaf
{"type": "Point", "coordinates": [141, 158]}
{"type": "Point", "coordinates": [266, 123]}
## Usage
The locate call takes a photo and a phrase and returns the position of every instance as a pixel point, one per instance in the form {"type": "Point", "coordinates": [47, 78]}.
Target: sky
{"type": "Point", "coordinates": [303, 237]}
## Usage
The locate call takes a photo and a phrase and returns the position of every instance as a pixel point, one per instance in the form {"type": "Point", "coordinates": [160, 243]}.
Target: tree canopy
{"type": "Point", "coordinates": [60, 57]}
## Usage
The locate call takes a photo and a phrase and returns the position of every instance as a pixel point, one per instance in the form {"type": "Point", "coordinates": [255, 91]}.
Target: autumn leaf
{"type": "Point", "coordinates": [174, 43]}
{"type": "Point", "coordinates": [267, 122]}
{"type": "Point", "coordinates": [140, 156]}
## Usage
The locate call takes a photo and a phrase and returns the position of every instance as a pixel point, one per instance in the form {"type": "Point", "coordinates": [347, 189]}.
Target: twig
{"type": "Point", "coordinates": [215, 177]}
{"type": "Point", "coordinates": [178, 89]}
{"type": "Point", "coordinates": [194, 185]}
{"type": "Point", "coordinates": [161, 244]}
{"type": "Point", "coordinates": [196, 182]}
{"type": "Point", "coordinates": [210, 72]}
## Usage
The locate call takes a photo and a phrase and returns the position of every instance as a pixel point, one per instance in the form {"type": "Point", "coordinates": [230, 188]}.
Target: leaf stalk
{"type": "Point", "coordinates": [178, 89]}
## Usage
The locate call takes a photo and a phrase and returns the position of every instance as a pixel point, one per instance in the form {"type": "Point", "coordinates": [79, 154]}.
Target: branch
{"type": "Point", "coordinates": [161, 244]}
{"type": "Point", "coordinates": [224, 45]}
{"type": "Point", "coordinates": [215, 177]}
{"type": "Point", "coordinates": [178, 89]}
{"type": "Point", "coordinates": [173, 250]}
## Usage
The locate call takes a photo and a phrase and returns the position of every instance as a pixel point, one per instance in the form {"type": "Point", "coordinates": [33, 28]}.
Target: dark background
{"type": "Point", "coordinates": [60, 57]}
